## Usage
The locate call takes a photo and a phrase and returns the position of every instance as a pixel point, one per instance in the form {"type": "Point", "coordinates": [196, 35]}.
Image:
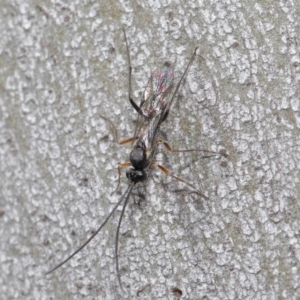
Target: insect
{"type": "Point", "coordinates": [153, 110]}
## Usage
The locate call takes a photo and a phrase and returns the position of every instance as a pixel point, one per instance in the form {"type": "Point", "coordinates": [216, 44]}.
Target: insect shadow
{"type": "Point", "coordinates": [153, 110]}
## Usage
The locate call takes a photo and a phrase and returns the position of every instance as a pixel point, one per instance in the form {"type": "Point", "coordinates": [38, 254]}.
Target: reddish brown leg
{"type": "Point", "coordinates": [168, 147]}
{"type": "Point", "coordinates": [123, 165]}
{"type": "Point", "coordinates": [167, 172]}
{"type": "Point", "coordinates": [128, 141]}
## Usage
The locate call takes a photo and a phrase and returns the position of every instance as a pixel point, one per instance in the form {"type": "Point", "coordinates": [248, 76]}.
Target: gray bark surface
{"type": "Point", "coordinates": [64, 63]}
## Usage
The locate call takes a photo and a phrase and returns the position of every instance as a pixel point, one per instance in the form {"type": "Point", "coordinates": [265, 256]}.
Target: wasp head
{"type": "Point", "coordinates": [135, 175]}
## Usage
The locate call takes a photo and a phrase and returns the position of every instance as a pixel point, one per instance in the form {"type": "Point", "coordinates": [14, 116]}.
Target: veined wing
{"type": "Point", "coordinates": [155, 102]}
{"type": "Point", "coordinates": [158, 91]}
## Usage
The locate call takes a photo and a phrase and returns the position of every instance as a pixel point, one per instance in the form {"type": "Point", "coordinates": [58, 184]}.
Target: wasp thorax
{"type": "Point", "coordinates": [138, 158]}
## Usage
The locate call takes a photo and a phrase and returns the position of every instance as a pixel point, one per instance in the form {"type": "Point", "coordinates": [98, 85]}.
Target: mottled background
{"type": "Point", "coordinates": [64, 63]}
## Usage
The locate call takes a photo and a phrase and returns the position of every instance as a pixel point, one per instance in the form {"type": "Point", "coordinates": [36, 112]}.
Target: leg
{"type": "Point", "coordinates": [165, 116]}
{"type": "Point", "coordinates": [167, 172]}
{"type": "Point", "coordinates": [168, 147]}
{"type": "Point", "coordinates": [180, 80]}
{"type": "Point", "coordinates": [178, 85]}
{"type": "Point", "coordinates": [124, 165]}
{"type": "Point", "coordinates": [135, 106]}
{"type": "Point", "coordinates": [128, 141]}
{"type": "Point", "coordinates": [115, 132]}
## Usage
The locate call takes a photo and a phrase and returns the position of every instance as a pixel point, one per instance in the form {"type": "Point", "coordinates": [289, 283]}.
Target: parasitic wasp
{"type": "Point", "coordinates": [153, 110]}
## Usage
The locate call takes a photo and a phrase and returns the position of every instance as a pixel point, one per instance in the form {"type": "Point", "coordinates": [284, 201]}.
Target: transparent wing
{"type": "Point", "coordinates": [158, 91]}
{"type": "Point", "coordinates": [155, 102]}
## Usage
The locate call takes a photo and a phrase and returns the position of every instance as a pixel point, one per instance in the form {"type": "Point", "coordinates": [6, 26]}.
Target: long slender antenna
{"type": "Point", "coordinates": [117, 234]}
{"type": "Point", "coordinates": [128, 190]}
